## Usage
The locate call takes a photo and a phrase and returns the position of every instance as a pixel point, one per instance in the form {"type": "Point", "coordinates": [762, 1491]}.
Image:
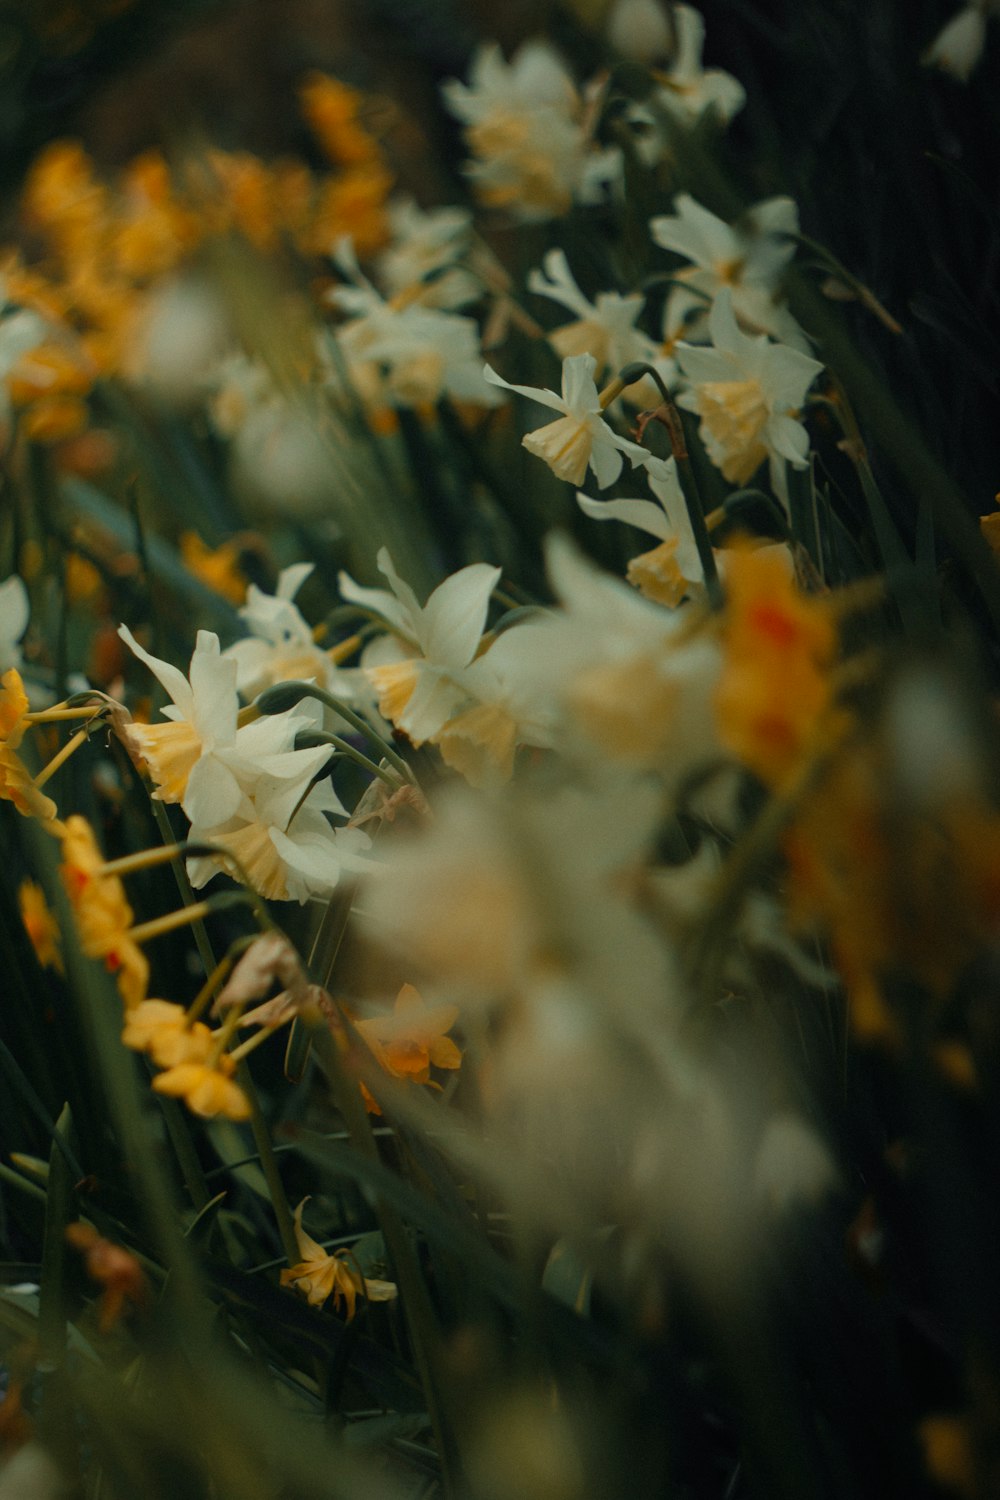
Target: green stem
{"type": "Point", "coordinates": [286, 694]}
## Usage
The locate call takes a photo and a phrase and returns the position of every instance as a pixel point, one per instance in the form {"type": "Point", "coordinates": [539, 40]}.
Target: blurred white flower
{"type": "Point", "coordinates": [14, 611]}
{"type": "Point", "coordinates": [425, 245]}
{"type": "Point", "coordinates": [685, 88]}
{"type": "Point", "coordinates": [182, 336]}
{"type": "Point", "coordinates": [580, 438]}
{"type": "Point", "coordinates": [792, 1164]}
{"type": "Point", "coordinates": [747, 392]}
{"type": "Point", "coordinates": [634, 684]}
{"type": "Point", "coordinates": [21, 330]}
{"type": "Point", "coordinates": [748, 258]}
{"type": "Point", "coordinates": [526, 127]}
{"type": "Point", "coordinates": [959, 45]}
{"type": "Point", "coordinates": [402, 352]}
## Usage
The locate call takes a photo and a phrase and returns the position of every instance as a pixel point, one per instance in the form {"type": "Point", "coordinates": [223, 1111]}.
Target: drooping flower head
{"type": "Point", "coordinates": [580, 438]}
{"type": "Point", "coordinates": [319, 1275]}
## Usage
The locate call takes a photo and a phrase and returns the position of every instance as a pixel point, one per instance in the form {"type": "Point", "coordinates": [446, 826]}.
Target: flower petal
{"type": "Point", "coordinates": [455, 615]}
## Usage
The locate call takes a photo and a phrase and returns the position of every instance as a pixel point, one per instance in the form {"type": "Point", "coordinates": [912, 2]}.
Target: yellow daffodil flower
{"type": "Point", "coordinates": [318, 1276]}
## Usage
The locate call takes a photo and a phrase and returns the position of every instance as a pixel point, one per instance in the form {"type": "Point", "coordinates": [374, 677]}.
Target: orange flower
{"type": "Point", "coordinates": [331, 111]}
{"type": "Point", "coordinates": [318, 1276]}
{"type": "Point", "coordinates": [779, 646]}
{"type": "Point", "coordinates": [161, 1029]}
{"type": "Point", "coordinates": [207, 1089]}
{"type": "Point", "coordinates": [40, 924]}
{"type": "Point", "coordinates": [410, 1041]}
{"type": "Point", "coordinates": [16, 782]}
{"type": "Point", "coordinates": [115, 1268]}
{"type": "Point", "coordinates": [218, 568]}
{"type": "Point", "coordinates": [103, 915]}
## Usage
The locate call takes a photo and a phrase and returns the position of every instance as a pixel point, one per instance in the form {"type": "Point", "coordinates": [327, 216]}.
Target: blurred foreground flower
{"type": "Point", "coordinates": [40, 924]}
{"type": "Point", "coordinates": [118, 1272]}
{"type": "Point", "coordinates": [959, 45]}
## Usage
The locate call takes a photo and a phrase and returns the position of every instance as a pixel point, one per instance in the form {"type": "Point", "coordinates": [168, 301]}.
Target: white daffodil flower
{"type": "Point", "coordinates": [669, 571]}
{"type": "Point", "coordinates": [747, 392]}
{"type": "Point", "coordinates": [749, 259]}
{"type": "Point", "coordinates": [201, 759]}
{"type": "Point", "coordinates": [687, 89]}
{"type": "Point", "coordinates": [504, 710]}
{"type": "Point", "coordinates": [604, 328]}
{"type": "Point", "coordinates": [288, 852]}
{"type": "Point", "coordinates": [402, 352]}
{"type": "Point", "coordinates": [580, 438]}
{"type": "Point", "coordinates": [14, 611]}
{"type": "Point", "coordinates": [281, 646]}
{"type": "Point", "coordinates": [421, 690]}
{"type": "Point", "coordinates": [525, 125]}
{"type": "Point", "coordinates": [639, 30]}
{"type": "Point", "coordinates": [959, 45]}
{"type": "Point", "coordinates": [425, 247]}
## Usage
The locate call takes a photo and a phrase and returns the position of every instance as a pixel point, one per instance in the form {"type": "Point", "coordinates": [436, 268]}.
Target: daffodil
{"type": "Point", "coordinates": [749, 258]}
{"type": "Point", "coordinates": [605, 328]}
{"type": "Point", "coordinates": [207, 1088]}
{"type": "Point", "coordinates": [16, 782]}
{"type": "Point", "coordinates": [504, 710]}
{"type": "Point", "coordinates": [320, 1276]}
{"type": "Point", "coordinates": [686, 89]}
{"type": "Point", "coordinates": [202, 759]}
{"type": "Point", "coordinates": [161, 1028]}
{"type": "Point", "coordinates": [286, 854]}
{"type": "Point", "coordinates": [421, 689]}
{"type": "Point", "coordinates": [425, 246]}
{"type": "Point", "coordinates": [404, 352]}
{"type": "Point", "coordinates": [281, 646]}
{"type": "Point", "coordinates": [959, 45]}
{"type": "Point", "coordinates": [410, 1041]}
{"type": "Point", "coordinates": [580, 438]}
{"type": "Point", "coordinates": [747, 392]}
{"type": "Point", "coordinates": [626, 680]}
{"type": "Point", "coordinates": [40, 924]}
{"type": "Point", "coordinates": [202, 714]}
{"type": "Point", "coordinates": [669, 571]}
{"type": "Point", "coordinates": [525, 125]}
{"type": "Point", "coordinates": [779, 647]}
{"type": "Point", "coordinates": [102, 913]}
